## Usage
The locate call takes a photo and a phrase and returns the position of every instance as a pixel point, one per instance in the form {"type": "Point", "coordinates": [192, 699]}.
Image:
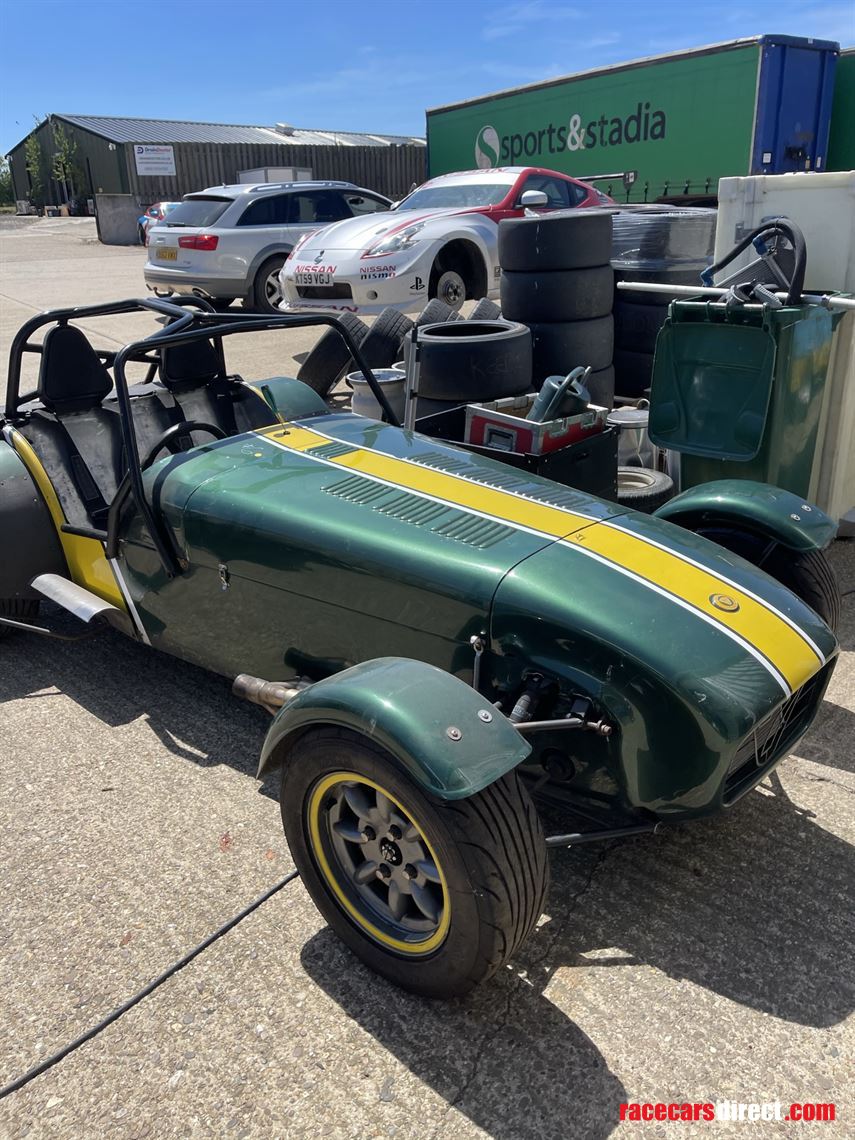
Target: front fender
{"type": "Point", "coordinates": [766, 510]}
{"type": "Point", "coordinates": [407, 708]}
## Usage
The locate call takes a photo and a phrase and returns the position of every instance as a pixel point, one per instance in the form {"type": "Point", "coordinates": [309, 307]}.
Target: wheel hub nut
{"type": "Point", "coordinates": [384, 871]}
{"type": "Point", "coordinates": [368, 833]}
{"type": "Point", "coordinates": [410, 872]}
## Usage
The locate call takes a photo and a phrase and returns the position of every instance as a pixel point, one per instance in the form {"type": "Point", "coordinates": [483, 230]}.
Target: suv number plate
{"type": "Point", "coordinates": [313, 278]}
{"type": "Point", "coordinates": [167, 254]}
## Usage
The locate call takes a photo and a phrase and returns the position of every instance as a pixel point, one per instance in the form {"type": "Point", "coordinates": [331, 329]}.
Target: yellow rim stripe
{"type": "Point", "coordinates": [87, 562]}
{"type": "Point", "coordinates": [787, 653]}
{"type": "Point", "coordinates": [314, 815]}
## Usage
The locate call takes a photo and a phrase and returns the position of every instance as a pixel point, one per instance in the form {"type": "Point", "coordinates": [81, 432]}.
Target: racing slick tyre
{"type": "Point", "coordinates": [558, 347]}
{"type": "Point", "coordinates": [562, 295]}
{"type": "Point", "coordinates": [433, 895]}
{"type": "Point", "coordinates": [474, 360]}
{"type": "Point", "coordinates": [330, 357]}
{"type": "Point", "coordinates": [485, 310]}
{"type": "Point", "coordinates": [266, 289]}
{"type": "Point", "coordinates": [18, 609]}
{"type": "Point", "coordinates": [658, 277]}
{"type": "Point", "coordinates": [633, 372]}
{"type": "Point", "coordinates": [383, 342]}
{"type": "Point", "coordinates": [436, 312]}
{"type": "Point", "coordinates": [643, 489]}
{"type": "Point", "coordinates": [637, 326]}
{"type": "Point", "coordinates": [558, 241]}
{"type": "Point", "coordinates": [808, 573]}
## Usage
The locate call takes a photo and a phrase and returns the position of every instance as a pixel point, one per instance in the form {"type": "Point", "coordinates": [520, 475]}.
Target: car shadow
{"type": "Point", "coordinates": [505, 1056]}
{"type": "Point", "coordinates": [753, 905]}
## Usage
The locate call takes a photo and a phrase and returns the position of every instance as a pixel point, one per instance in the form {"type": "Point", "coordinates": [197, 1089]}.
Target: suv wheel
{"type": "Point", "coordinates": [266, 290]}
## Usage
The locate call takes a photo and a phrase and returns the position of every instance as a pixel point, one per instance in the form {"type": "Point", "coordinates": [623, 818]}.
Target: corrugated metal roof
{"type": "Point", "coordinates": [120, 130]}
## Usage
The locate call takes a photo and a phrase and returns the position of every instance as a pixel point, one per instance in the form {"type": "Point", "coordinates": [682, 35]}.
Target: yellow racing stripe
{"type": "Point", "coordinates": [750, 619]}
{"type": "Point", "coordinates": [789, 655]}
{"type": "Point", "coordinates": [504, 506]}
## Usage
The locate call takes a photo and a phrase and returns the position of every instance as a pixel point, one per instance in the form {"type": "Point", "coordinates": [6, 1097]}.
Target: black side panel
{"type": "Point", "coordinates": [28, 541]}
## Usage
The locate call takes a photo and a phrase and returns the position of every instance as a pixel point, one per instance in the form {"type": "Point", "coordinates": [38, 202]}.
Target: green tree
{"type": "Point", "coordinates": [34, 162]}
{"type": "Point", "coordinates": [7, 196]}
{"type": "Point", "coordinates": [64, 168]}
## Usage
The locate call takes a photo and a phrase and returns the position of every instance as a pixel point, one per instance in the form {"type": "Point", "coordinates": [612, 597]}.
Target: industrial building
{"type": "Point", "coordinates": [161, 159]}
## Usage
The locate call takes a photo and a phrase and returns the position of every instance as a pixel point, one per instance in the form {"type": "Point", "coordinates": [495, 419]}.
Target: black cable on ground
{"type": "Point", "coordinates": [55, 1058]}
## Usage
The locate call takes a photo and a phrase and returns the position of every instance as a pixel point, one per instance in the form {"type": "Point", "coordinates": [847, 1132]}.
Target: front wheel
{"type": "Point", "coordinates": [448, 286]}
{"type": "Point", "coordinates": [434, 895]}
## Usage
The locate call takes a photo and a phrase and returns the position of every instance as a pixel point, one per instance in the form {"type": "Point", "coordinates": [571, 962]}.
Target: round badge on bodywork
{"type": "Point", "coordinates": [724, 602]}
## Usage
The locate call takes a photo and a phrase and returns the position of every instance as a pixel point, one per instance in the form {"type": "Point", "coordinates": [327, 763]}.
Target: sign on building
{"type": "Point", "coordinates": [154, 159]}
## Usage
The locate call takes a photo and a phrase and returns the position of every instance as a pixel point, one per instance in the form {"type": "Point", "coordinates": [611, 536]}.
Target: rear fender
{"type": "Point", "coordinates": [758, 507]}
{"type": "Point", "coordinates": [444, 736]}
{"type": "Point", "coordinates": [27, 534]}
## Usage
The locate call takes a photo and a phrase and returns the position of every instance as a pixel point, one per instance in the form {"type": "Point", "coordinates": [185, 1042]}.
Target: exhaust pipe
{"type": "Point", "coordinates": [271, 695]}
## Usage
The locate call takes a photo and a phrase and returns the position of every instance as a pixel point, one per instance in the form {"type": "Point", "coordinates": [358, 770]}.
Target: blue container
{"type": "Point", "coordinates": [794, 97]}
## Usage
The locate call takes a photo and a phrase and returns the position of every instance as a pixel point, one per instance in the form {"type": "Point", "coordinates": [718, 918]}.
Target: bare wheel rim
{"type": "Point", "coordinates": [378, 863]}
{"type": "Point", "coordinates": [273, 289]}
{"type": "Point", "coordinates": [451, 288]}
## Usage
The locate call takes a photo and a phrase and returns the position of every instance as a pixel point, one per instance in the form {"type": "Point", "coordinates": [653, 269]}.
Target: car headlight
{"type": "Point", "coordinates": [395, 243]}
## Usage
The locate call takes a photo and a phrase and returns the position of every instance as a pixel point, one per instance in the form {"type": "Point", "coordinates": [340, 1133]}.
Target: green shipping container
{"type": "Point", "coordinates": [680, 122]}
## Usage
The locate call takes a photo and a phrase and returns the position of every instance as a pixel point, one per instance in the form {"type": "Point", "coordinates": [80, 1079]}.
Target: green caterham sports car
{"type": "Point", "coordinates": [441, 639]}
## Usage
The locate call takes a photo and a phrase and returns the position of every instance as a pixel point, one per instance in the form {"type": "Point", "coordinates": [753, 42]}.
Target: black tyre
{"type": "Point", "coordinates": [474, 360]}
{"type": "Point", "coordinates": [562, 295]}
{"type": "Point", "coordinates": [633, 372]}
{"type": "Point", "coordinates": [637, 326]}
{"type": "Point", "coordinates": [485, 310]}
{"type": "Point", "coordinates": [434, 895]}
{"type": "Point", "coordinates": [330, 357]}
{"type": "Point", "coordinates": [436, 312]}
{"type": "Point", "coordinates": [601, 386]}
{"type": "Point", "coordinates": [643, 489]}
{"type": "Point", "coordinates": [561, 346]}
{"type": "Point", "coordinates": [556, 241]}
{"type": "Point", "coordinates": [18, 609]}
{"type": "Point", "coordinates": [807, 573]}
{"type": "Point", "coordinates": [383, 343]}
{"type": "Point", "coordinates": [659, 277]}
{"type": "Point", "coordinates": [266, 290]}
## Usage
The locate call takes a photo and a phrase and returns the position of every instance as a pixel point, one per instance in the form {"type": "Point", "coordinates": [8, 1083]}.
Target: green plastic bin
{"type": "Point", "coordinates": [738, 391]}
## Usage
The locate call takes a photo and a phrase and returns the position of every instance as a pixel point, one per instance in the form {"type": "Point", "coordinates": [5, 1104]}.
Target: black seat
{"type": "Point", "coordinates": [202, 391]}
{"type": "Point", "coordinates": [77, 440]}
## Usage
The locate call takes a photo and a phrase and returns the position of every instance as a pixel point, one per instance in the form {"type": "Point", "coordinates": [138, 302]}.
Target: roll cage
{"type": "Point", "coordinates": [189, 320]}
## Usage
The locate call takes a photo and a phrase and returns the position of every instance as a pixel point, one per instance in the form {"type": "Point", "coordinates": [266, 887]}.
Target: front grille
{"type": "Point", "coordinates": [325, 292]}
{"type": "Point", "coordinates": [771, 738]}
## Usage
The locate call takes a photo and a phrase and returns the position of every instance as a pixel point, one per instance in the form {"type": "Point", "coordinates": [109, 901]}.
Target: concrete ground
{"type": "Point", "coordinates": [710, 962]}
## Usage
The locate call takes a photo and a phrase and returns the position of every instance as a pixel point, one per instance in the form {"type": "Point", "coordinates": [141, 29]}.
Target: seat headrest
{"type": "Point", "coordinates": [71, 377]}
{"type": "Point", "coordinates": [189, 365]}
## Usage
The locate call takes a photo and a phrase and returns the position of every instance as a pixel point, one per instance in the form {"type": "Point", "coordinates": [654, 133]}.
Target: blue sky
{"type": "Point", "coordinates": [342, 64]}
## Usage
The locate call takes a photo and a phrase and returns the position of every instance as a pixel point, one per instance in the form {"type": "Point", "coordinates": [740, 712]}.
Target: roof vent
{"type": "Point", "coordinates": [286, 129]}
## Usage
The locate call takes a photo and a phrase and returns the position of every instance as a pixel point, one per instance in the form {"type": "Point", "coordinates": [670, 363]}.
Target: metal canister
{"type": "Point", "coordinates": [392, 381]}
{"type": "Point", "coordinates": [634, 446]}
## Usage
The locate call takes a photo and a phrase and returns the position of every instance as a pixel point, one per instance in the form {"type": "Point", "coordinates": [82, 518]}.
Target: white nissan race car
{"type": "Point", "coordinates": [440, 241]}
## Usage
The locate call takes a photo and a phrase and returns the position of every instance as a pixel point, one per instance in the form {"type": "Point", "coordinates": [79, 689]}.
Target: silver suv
{"type": "Point", "coordinates": [230, 242]}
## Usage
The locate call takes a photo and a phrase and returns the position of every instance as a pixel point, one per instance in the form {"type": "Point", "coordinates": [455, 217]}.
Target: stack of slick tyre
{"type": "Point", "coordinates": [557, 279]}
{"type": "Point", "coordinates": [638, 318]}
{"type": "Point", "coordinates": [464, 362]}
